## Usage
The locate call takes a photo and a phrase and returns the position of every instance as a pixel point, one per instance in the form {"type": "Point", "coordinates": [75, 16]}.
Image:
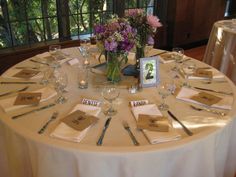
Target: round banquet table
{"type": "Point", "coordinates": [221, 48]}
{"type": "Point", "coordinates": [25, 153]}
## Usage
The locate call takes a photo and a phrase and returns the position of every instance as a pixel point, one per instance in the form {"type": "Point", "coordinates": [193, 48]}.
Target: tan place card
{"type": "Point", "coordinates": [26, 73]}
{"type": "Point", "coordinates": [153, 123]}
{"type": "Point", "coordinates": [203, 73]}
{"type": "Point", "coordinates": [78, 120]}
{"type": "Point", "coordinates": [28, 98]}
{"type": "Point", "coordinates": [206, 98]}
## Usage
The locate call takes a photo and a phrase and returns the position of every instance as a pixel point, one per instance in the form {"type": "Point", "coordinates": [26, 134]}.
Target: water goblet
{"type": "Point", "coordinates": [55, 50]}
{"type": "Point", "coordinates": [60, 82]}
{"type": "Point", "coordinates": [110, 92]}
{"type": "Point", "coordinates": [189, 68]}
{"type": "Point", "coordinates": [177, 54]}
{"type": "Point", "coordinates": [164, 90]}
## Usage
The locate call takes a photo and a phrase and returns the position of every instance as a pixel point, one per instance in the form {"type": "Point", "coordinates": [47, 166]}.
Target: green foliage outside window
{"type": "Point", "coordinates": [26, 22]}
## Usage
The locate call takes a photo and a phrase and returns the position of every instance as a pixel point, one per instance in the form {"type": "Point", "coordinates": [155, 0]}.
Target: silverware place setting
{"type": "Point", "coordinates": [106, 125]}
{"type": "Point", "coordinates": [14, 91]}
{"type": "Point", "coordinates": [208, 110]}
{"type": "Point", "coordinates": [127, 128]}
{"type": "Point", "coordinates": [52, 118]}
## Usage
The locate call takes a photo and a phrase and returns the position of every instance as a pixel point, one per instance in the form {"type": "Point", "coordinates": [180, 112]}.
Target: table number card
{"type": "Point", "coordinates": [153, 123]}
{"type": "Point", "coordinates": [78, 120]}
{"type": "Point", "coordinates": [203, 73]}
{"type": "Point", "coordinates": [206, 98]}
{"type": "Point", "coordinates": [138, 103]}
{"type": "Point", "coordinates": [91, 102]}
{"type": "Point", "coordinates": [26, 73]}
{"type": "Point", "coordinates": [28, 98]}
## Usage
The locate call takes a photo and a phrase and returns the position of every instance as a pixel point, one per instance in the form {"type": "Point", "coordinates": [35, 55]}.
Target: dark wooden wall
{"type": "Point", "coordinates": [187, 21]}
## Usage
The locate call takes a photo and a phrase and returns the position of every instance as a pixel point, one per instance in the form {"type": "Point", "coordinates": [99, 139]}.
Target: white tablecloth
{"type": "Point", "coordinates": [221, 48]}
{"type": "Point", "coordinates": [24, 153]}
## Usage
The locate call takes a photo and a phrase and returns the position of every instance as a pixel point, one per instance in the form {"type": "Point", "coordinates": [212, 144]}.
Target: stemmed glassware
{"type": "Point", "coordinates": [189, 67]}
{"type": "Point", "coordinates": [60, 82]}
{"type": "Point", "coordinates": [164, 90]}
{"type": "Point", "coordinates": [177, 54]}
{"type": "Point", "coordinates": [55, 50]}
{"type": "Point", "coordinates": [110, 92]}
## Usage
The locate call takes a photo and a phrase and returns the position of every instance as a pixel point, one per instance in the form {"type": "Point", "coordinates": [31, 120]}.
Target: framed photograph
{"type": "Point", "coordinates": [149, 71]}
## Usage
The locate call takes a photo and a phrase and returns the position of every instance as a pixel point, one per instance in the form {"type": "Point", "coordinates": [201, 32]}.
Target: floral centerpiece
{"type": "Point", "coordinates": [115, 38]}
{"type": "Point", "coordinates": [145, 26]}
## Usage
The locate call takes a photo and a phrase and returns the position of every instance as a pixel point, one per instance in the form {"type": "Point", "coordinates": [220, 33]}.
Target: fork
{"type": "Point", "coordinates": [53, 117]}
{"type": "Point", "coordinates": [208, 110]}
{"type": "Point", "coordinates": [127, 128]}
{"type": "Point", "coordinates": [14, 91]}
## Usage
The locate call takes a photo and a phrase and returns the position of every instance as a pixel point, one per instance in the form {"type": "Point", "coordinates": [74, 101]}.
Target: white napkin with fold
{"type": "Point", "coordinates": [63, 131]}
{"type": "Point", "coordinates": [11, 72]}
{"type": "Point", "coordinates": [8, 103]}
{"type": "Point", "coordinates": [168, 55]}
{"type": "Point", "coordinates": [47, 54]}
{"type": "Point", "coordinates": [186, 93]}
{"type": "Point", "coordinates": [215, 74]}
{"type": "Point", "coordinates": [195, 122]}
{"type": "Point", "coordinates": [155, 137]}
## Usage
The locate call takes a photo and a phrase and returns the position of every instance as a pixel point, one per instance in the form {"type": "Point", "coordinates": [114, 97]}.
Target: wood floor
{"type": "Point", "coordinates": [197, 52]}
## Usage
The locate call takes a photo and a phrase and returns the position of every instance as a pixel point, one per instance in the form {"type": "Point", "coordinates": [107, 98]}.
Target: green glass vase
{"type": "Point", "coordinates": [113, 67]}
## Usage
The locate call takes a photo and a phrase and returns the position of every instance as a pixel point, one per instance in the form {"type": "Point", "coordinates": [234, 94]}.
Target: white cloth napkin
{"type": "Point", "coordinates": [186, 93]}
{"type": "Point", "coordinates": [47, 54]}
{"type": "Point", "coordinates": [11, 72]}
{"type": "Point", "coordinates": [63, 131]}
{"type": "Point", "coordinates": [195, 122]}
{"type": "Point", "coordinates": [162, 58]}
{"type": "Point", "coordinates": [215, 74]}
{"type": "Point", "coordinates": [153, 136]}
{"type": "Point", "coordinates": [7, 104]}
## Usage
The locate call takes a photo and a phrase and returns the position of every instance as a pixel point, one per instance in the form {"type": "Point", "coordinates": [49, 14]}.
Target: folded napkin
{"type": "Point", "coordinates": [47, 54]}
{"type": "Point", "coordinates": [166, 58]}
{"type": "Point", "coordinates": [215, 74]}
{"type": "Point", "coordinates": [11, 72]}
{"type": "Point", "coordinates": [185, 94]}
{"type": "Point", "coordinates": [195, 122]}
{"type": "Point", "coordinates": [63, 131]}
{"type": "Point", "coordinates": [155, 137]}
{"type": "Point", "coordinates": [8, 103]}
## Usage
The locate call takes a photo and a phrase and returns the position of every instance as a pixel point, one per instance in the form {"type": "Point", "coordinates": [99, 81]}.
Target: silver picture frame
{"type": "Point", "coordinates": [149, 72]}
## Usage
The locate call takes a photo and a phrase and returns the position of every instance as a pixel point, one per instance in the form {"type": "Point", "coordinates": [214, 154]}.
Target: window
{"type": "Point", "coordinates": [27, 22]}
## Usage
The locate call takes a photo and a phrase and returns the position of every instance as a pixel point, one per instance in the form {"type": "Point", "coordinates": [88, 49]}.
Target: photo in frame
{"type": "Point", "coordinates": [149, 71]}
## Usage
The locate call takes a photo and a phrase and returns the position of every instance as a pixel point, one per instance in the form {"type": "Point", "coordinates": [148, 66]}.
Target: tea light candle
{"type": "Point", "coordinates": [86, 62]}
{"type": "Point", "coordinates": [83, 82]}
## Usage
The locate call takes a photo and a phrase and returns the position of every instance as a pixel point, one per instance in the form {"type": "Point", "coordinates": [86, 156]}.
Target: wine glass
{"type": "Point", "coordinates": [189, 67]}
{"type": "Point", "coordinates": [54, 50]}
{"type": "Point", "coordinates": [60, 82]}
{"type": "Point", "coordinates": [177, 54]}
{"type": "Point", "coordinates": [110, 92]}
{"type": "Point", "coordinates": [164, 90]}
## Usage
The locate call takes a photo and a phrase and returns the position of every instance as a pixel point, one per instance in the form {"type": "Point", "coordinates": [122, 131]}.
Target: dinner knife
{"type": "Point", "coordinates": [158, 54]}
{"type": "Point", "coordinates": [210, 90]}
{"type": "Point", "coordinates": [34, 110]}
{"type": "Point", "coordinates": [183, 126]}
{"type": "Point", "coordinates": [3, 82]}
{"type": "Point", "coordinates": [99, 142]}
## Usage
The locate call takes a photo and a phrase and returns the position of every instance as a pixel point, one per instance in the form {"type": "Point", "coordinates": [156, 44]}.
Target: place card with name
{"type": "Point", "coordinates": [203, 73]}
{"type": "Point", "coordinates": [138, 103]}
{"type": "Point", "coordinates": [206, 98]}
{"type": "Point", "coordinates": [28, 98]}
{"type": "Point", "coordinates": [153, 123]}
{"type": "Point", "coordinates": [26, 73]}
{"type": "Point", "coordinates": [91, 102]}
{"type": "Point", "coordinates": [78, 120]}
